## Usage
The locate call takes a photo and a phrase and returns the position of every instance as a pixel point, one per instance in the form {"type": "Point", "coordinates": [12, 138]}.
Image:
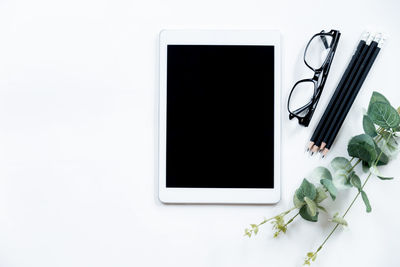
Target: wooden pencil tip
{"type": "Point", "coordinates": [323, 145]}
{"type": "Point", "coordinates": [310, 145]}
{"type": "Point", "coordinates": [314, 149]}
{"type": "Point", "coordinates": [325, 152]}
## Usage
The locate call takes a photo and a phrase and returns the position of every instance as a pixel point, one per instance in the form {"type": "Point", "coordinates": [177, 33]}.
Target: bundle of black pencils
{"type": "Point", "coordinates": [345, 94]}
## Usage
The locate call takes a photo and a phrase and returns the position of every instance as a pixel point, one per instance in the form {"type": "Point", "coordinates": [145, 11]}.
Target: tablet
{"type": "Point", "coordinates": [219, 116]}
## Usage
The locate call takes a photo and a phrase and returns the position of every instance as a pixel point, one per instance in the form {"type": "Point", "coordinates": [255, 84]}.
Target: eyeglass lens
{"type": "Point", "coordinates": [317, 51]}
{"type": "Point", "coordinates": [302, 95]}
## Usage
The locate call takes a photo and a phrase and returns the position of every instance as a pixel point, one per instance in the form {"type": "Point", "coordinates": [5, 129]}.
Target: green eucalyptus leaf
{"type": "Point", "coordinates": [366, 201]}
{"type": "Point", "coordinates": [311, 206]}
{"type": "Point", "coordinates": [388, 145]}
{"type": "Point", "coordinates": [385, 178]}
{"type": "Point", "coordinates": [304, 214]}
{"type": "Point", "coordinates": [330, 187]}
{"type": "Point", "coordinates": [365, 166]}
{"type": "Point", "coordinates": [322, 208]}
{"type": "Point", "coordinates": [369, 127]}
{"type": "Point", "coordinates": [355, 181]}
{"type": "Point", "coordinates": [363, 147]}
{"type": "Point", "coordinates": [340, 163]}
{"type": "Point", "coordinates": [341, 179]}
{"type": "Point", "coordinates": [320, 173]}
{"type": "Point", "coordinates": [377, 97]}
{"type": "Point", "coordinates": [297, 202]}
{"type": "Point", "coordinates": [384, 115]}
{"type": "Point", "coordinates": [306, 189]}
{"type": "Point", "coordinates": [374, 170]}
{"type": "Point", "coordinates": [340, 220]}
{"type": "Point", "coordinates": [321, 195]}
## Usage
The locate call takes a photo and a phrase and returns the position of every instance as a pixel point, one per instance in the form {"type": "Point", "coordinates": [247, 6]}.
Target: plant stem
{"type": "Point", "coordinates": [355, 198]}
{"type": "Point", "coordinates": [358, 161]}
{"type": "Point", "coordinates": [326, 239]}
{"type": "Point", "coordinates": [280, 214]}
{"type": "Point", "coordinates": [291, 219]}
{"type": "Point", "coordinates": [283, 229]}
{"type": "Point", "coordinates": [362, 187]}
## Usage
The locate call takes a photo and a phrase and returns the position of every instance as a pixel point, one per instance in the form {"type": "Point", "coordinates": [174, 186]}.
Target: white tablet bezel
{"type": "Point", "coordinates": [218, 195]}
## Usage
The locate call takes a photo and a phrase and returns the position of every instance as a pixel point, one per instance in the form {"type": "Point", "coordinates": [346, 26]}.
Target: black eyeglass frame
{"type": "Point", "coordinates": [318, 80]}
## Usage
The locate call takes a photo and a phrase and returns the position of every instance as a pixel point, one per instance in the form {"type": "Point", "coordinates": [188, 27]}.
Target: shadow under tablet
{"type": "Point", "coordinates": [220, 116]}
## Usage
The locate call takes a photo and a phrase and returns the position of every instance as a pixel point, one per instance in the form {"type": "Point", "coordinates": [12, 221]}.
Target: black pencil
{"type": "Point", "coordinates": [338, 90]}
{"type": "Point", "coordinates": [350, 85]}
{"type": "Point", "coordinates": [357, 86]}
{"type": "Point", "coordinates": [343, 92]}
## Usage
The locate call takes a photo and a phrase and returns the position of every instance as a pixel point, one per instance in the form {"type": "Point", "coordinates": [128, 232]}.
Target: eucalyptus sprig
{"type": "Point", "coordinates": [376, 147]}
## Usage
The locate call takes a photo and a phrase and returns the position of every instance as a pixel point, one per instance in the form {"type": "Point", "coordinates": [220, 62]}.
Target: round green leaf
{"type": "Point", "coordinates": [341, 179]}
{"type": "Point", "coordinates": [321, 195]}
{"type": "Point", "coordinates": [297, 202]}
{"type": "Point", "coordinates": [340, 163]}
{"type": "Point", "coordinates": [377, 97]}
{"type": "Point", "coordinates": [369, 127]}
{"type": "Point", "coordinates": [363, 147]}
{"type": "Point", "coordinates": [304, 214]}
{"type": "Point", "coordinates": [306, 189]}
{"type": "Point", "coordinates": [311, 207]}
{"type": "Point", "coordinates": [320, 173]}
{"type": "Point", "coordinates": [355, 181]}
{"type": "Point", "coordinates": [384, 115]}
{"type": "Point", "coordinates": [330, 187]}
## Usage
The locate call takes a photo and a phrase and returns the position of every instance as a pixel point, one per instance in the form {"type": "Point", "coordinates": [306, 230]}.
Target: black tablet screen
{"type": "Point", "coordinates": [220, 114]}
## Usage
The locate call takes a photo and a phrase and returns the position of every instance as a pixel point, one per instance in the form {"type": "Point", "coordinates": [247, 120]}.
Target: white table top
{"type": "Point", "coordinates": [78, 83]}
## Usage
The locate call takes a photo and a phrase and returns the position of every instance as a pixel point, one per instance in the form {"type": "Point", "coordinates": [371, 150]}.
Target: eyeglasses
{"type": "Point", "coordinates": [305, 94]}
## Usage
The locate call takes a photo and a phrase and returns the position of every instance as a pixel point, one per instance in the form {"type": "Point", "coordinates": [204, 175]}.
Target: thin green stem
{"type": "Point", "coordinates": [326, 239]}
{"type": "Point", "coordinates": [284, 227]}
{"type": "Point", "coordinates": [280, 214]}
{"type": "Point", "coordinates": [355, 198]}
{"type": "Point", "coordinates": [358, 161]}
{"type": "Point", "coordinates": [291, 219]}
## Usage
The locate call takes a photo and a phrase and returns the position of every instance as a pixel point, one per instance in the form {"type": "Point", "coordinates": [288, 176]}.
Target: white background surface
{"type": "Point", "coordinates": [78, 87]}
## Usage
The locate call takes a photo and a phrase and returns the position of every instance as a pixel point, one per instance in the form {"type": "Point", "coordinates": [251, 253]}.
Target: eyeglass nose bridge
{"type": "Point", "coordinates": [316, 76]}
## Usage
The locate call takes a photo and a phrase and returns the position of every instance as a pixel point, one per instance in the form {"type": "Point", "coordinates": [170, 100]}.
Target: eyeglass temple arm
{"type": "Point", "coordinates": [325, 41]}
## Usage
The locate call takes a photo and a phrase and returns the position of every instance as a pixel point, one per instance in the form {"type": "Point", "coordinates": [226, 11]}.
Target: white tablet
{"type": "Point", "coordinates": [220, 117]}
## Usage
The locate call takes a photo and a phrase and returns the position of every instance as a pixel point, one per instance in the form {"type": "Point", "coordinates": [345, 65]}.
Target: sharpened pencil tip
{"type": "Point", "coordinates": [326, 150]}
{"type": "Point", "coordinates": [312, 153]}
{"type": "Point", "coordinates": [314, 149]}
{"type": "Point", "coordinates": [310, 145]}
